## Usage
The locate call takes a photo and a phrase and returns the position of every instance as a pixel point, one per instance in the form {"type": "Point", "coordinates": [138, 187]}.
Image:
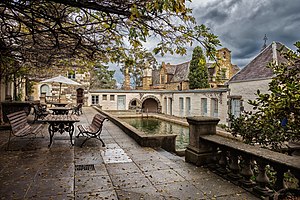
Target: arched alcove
{"type": "Point", "coordinates": [151, 104]}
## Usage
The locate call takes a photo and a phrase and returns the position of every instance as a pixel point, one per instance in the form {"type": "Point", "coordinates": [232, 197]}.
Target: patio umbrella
{"type": "Point", "coordinates": [61, 80]}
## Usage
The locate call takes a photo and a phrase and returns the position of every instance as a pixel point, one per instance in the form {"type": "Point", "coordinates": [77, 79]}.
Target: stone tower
{"type": "Point", "coordinates": [147, 77]}
{"type": "Point", "coordinates": [225, 69]}
{"type": "Point", "coordinates": [126, 83]}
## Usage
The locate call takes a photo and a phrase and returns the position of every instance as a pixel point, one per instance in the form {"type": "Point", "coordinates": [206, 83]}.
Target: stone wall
{"type": "Point", "coordinates": [248, 90]}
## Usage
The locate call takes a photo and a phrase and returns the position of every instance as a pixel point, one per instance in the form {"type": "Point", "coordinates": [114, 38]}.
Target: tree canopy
{"type": "Point", "coordinates": [198, 74]}
{"type": "Point", "coordinates": [41, 31]}
{"type": "Point", "coordinates": [102, 77]}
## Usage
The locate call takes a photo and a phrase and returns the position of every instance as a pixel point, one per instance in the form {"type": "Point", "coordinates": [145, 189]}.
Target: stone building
{"type": "Point", "coordinates": [175, 77]}
{"type": "Point", "coordinates": [69, 93]}
{"type": "Point", "coordinates": [205, 102]}
{"type": "Point", "coordinates": [255, 75]}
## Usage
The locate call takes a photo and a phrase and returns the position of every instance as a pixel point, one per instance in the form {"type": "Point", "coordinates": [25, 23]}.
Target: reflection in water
{"type": "Point", "coordinates": [151, 126]}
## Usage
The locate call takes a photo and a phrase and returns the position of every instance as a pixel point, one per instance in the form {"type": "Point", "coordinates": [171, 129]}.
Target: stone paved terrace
{"type": "Point", "coordinates": [122, 170]}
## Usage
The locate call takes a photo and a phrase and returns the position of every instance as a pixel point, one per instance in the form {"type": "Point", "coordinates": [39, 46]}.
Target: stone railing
{"type": "Point", "coordinates": [260, 171]}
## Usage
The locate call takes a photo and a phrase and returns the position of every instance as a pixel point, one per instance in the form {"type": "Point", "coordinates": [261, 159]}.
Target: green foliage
{"type": "Point", "coordinates": [277, 114]}
{"type": "Point", "coordinates": [102, 77]}
{"type": "Point", "coordinates": [198, 74]}
{"type": "Point", "coordinates": [136, 60]}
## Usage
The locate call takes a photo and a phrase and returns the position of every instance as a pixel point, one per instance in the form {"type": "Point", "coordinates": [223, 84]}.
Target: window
{"type": "Point", "coordinates": [203, 106]}
{"type": "Point", "coordinates": [235, 105]}
{"type": "Point", "coordinates": [112, 97]}
{"type": "Point", "coordinates": [162, 79]}
{"type": "Point", "coordinates": [170, 106]}
{"type": "Point", "coordinates": [95, 99]}
{"type": "Point", "coordinates": [181, 107]}
{"type": "Point", "coordinates": [214, 107]}
{"type": "Point", "coordinates": [104, 97]}
{"type": "Point", "coordinates": [188, 106]}
{"type": "Point", "coordinates": [45, 89]}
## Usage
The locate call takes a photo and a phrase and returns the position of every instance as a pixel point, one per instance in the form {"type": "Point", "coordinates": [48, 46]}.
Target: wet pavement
{"type": "Point", "coordinates": [121, 170]}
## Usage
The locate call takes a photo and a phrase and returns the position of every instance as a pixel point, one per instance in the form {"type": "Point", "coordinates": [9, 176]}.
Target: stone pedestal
{"type": "Point", "coordinates": [198, 152]}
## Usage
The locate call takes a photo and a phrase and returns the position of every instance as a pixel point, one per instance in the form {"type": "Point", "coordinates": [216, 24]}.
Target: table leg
{"type": "Point", "coordinates": [51, 133]}
{"type": "Point", "coordinates": [71, 131]}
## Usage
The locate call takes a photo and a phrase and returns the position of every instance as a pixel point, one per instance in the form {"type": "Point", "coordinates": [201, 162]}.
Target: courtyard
{"type": "Point", "coordinates": [121, 170]}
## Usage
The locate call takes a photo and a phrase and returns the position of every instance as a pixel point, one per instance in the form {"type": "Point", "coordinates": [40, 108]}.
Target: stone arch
{"type": "Point", "coordinates": [151, 103]}
{"type": "Point", "coordinates": [134, 104]}
{"type": "Point", "coordinates": [45, 90]}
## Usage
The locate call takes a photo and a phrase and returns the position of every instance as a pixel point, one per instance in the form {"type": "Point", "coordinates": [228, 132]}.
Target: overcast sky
{"type": "Point", "coordinates": [242, 24]}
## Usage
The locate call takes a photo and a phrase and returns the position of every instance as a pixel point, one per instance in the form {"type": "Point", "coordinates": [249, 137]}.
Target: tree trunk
{"type": "Point", "coordinates": [1, 116]}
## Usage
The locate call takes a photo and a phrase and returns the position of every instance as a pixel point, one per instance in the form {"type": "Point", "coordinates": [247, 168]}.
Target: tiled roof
{"type": "Point", "coordinates": [181, 72]}
{"type": "Point", "coordinates": [257, 69]}
{"type": "Point", "coordinates": [171, 69]}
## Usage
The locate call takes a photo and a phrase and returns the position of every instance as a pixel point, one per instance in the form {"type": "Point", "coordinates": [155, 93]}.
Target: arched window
{"type": "Point", "coordinates": [45, 89]}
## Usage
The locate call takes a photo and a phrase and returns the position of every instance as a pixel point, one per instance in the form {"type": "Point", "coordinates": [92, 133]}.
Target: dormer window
{"type": "Point", "coordinates": [224, 54]}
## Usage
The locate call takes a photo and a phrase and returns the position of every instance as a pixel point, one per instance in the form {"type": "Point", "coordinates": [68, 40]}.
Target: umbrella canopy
{"type": "Point", "coordinates": [61, 80]}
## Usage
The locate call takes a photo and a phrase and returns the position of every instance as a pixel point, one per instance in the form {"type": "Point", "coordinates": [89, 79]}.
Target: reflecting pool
{"type": "Point", "coordinates": [152, 126]}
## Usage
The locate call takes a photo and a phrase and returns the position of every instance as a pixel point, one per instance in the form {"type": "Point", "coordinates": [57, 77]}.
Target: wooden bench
{"type": "Point", "coordinates": [20, 126]}
{"type": "Point", "coordinates": [93, 130]}
{"type": "Point", "coordinates": [77, 109]}
{"type": "Point", "coordinates": [39, 112]}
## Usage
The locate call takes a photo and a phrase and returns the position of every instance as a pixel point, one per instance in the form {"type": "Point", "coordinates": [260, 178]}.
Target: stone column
{"type": "Point", "coordinates": [126, 83]}
{"type": "Point", "coordinates": [197, 152]}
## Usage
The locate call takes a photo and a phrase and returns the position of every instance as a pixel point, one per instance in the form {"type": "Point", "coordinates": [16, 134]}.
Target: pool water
{"type": "Point", "coordinates": [152, 126]}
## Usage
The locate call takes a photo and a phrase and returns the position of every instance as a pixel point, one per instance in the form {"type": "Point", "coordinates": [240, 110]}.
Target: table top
{"type": "Point", "coordinates": [60, 108]}
{"type": "Point", "coordinates": [61, 118]}
{"type": "Point", "coordinates": [59, 104]}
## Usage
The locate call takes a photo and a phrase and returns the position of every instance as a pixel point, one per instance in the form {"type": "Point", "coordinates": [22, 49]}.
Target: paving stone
{"type": "Point", "coordinates": [163, 176]}
{"type": "Point", "coordinates": [215, 187]}
{"type": "Point", "coordinates": [146, 193]}
{"type": "Point", "coordinates": [237, 196]}
{"type": "Point", "coordinates": [91, 157]}
{"type": "Point", "coordinates": [180, 190]}
{"type": "Point", "coordinates": [116, 155]}
{"type": "Point", "coordinates": [193, 172]}
{"type": "Point", "coordinates": [122, 168]}
{"type": "Point", "coordinates": [10, 189]}
{"type": "Point", "coordinates": [56, 170]}
{"type": "Point", "coordinates": [132, 180]}
{"type": "Point", "coordinates": [92, 184]}
{"type": "Point", "coordinates": [153, 165]}
{"type": "Point", "coordinates": [58, 186]}
{"type": "Point", "coordinates": [107, 195]}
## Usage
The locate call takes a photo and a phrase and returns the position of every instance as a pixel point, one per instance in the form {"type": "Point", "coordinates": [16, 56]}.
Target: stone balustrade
{"type": "Point", "coordinates": [260, 171]}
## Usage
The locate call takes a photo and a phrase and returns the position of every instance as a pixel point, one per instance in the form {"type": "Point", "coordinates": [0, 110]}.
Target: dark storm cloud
{"type": "Point", "coordinates": [241, 25]}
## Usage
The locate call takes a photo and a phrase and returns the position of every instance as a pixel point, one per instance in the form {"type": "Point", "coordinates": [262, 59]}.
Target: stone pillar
{"type": "Point", "coordinates": [198, 152]}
